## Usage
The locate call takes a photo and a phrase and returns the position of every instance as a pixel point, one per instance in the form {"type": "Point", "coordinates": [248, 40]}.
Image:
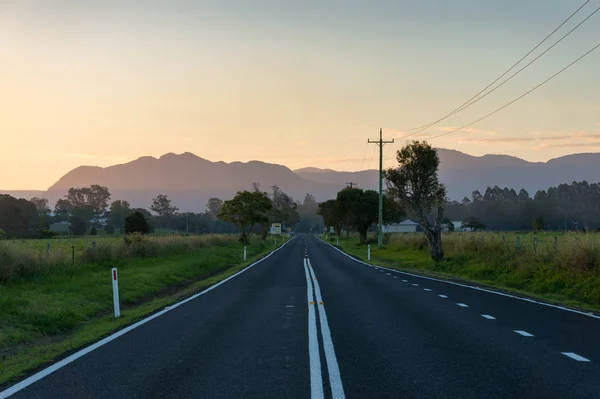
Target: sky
{"type": "Point", "coordinates": [299, 83]}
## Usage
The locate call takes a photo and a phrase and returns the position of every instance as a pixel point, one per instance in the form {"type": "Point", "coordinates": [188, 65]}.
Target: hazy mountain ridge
{"type": "Point", "coordinates": [190, 180]}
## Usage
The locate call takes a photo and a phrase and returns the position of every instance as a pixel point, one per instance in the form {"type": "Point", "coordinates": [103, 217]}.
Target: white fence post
{"type": "Point", "coordinates": [115, 284]}
{"type": "Point", "coordinates": [369, 253]}
{"type": "Point", "coordinates": [244, 253]}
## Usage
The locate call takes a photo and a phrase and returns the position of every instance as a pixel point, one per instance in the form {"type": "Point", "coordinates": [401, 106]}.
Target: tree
{"type": "Point", "coordinates": [331, 216]}
{"type": "Point", "coordinates": [284, 208]}
{"type": "Point", "coordinates": [136, 223]}
{"type": "Point", "coordinates": [18, 217]}
{"type": "Point", "coordinates": [359, 208]}
{"type": "Point", "coordinates": [309, 219]}
{"type": "Point", "coordinates": [119, 210]}
{"type": "Point", "coordinates": [214, 206]}
{"type": "Point", "coordinates": [473, 224]}
{"type": "Point", "coordinates": [41, 205]}
{"type": "Point", "coordinates": [62, 209]}
{"type": "Point", "coordinates": [245, 210]}
{"type": "Point", "coordinates": [392, 210]}
{"type": "Point", "coordinates": [449, 223]}
{"type": "Point", "coordinates": [161, 204]}
{"type": "Point", "coordinates": [97, 198]}
{"type": "Point", "coordinates": [538, 223]}
{"type": "Point", "coordinates": [416, 185]}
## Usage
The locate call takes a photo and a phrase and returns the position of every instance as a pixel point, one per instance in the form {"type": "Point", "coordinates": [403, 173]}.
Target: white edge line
{"type": "Point", "coordinates": [62, 363]}
{"type": "Point", "coordinates": [575, 356]}
{"type": "Point", "coordinates": [592, 315]}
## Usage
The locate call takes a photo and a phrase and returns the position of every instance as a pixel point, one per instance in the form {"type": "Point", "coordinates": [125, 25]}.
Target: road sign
{"type": "Point", "coordinates": [276, 228]}
{"type": "Point", "coordinates": [289, 229]}
{"type": "Point", "coordinates": [331, 229]}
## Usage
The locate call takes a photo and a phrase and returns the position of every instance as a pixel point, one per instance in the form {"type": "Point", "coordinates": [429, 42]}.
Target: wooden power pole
{"type": "Point", "coordinates": [380, 143]}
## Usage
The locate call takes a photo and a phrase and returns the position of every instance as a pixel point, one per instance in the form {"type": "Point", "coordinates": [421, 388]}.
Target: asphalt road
{"type": "Point", "coordinates": [309, 321]}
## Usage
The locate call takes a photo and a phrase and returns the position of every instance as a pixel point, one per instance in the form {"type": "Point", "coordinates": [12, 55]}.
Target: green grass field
{"type": "Point", "coordinates": [568, 273]}
{"type": "Point", "coordinates": [65, 306]}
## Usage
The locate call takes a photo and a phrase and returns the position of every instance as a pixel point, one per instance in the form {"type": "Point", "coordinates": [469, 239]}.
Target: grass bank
{"type": "Point", "coordinates": [567, 273]}
{"type": "Point", "coordinates": [63, 306]}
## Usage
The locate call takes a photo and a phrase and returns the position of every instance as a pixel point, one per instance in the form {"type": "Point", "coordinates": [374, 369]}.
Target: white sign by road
{"type": "Point", "coordinates": [276, 228]}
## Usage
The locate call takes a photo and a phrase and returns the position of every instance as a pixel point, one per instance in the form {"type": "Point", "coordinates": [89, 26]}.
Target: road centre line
{"type": "Point", "coordinates": [523, 333]}
{"type": "Point", "coordinates": [335, 380]}
{"type": "Point", "coordinates": [62, 363]}
{"type": "Point", "coordinates": [426, 289]}
{"type": "Point", "coordinates": [575, 356]}
{"type": "Point", "coordinates": [487, 316]}
{"type": "Point", "coordinates": [462, 305]}
{"type": "Point", "coordinates": [443, 296]}
{"type": "Point", "coordinates": [588, 314]}
{"type": "Point", "coordinates": [316, 379]}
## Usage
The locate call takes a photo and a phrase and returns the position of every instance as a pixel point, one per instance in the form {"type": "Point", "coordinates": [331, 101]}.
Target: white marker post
{"type": "Point", "coordinates": [244, 253]}
{"type": "Point", "coordinates": [338, 241]}
{"type": "Point", "coordinates": [369, 252]}
{"type": "Point", "coordinates": [115, 284]}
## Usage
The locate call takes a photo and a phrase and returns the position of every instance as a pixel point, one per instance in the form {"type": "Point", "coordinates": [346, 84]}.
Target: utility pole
{"type": "Point", "coordinates": [350, 184]}
{"type": "Point", "coordinates": [380, 143]}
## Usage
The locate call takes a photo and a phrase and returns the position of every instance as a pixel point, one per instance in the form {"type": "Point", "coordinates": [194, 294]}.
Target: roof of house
{"type": "Point", "coordinates": [407, 222]}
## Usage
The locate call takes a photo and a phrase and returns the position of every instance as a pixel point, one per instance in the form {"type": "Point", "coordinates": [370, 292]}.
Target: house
{"type": "Point", "coordinates": [407, 226]}
{"type": "Point", "coordinates": [61, 227]}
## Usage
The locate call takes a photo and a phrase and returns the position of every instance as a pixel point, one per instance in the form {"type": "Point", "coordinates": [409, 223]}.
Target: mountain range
{"type": "Point", "coordinates": [190, 180]}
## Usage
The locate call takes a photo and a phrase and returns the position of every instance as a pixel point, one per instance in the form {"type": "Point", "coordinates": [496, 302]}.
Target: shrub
{"type": "Point", "coordinates": [2, 235]}
{"type": "Point", "coordinates": [136, 223]}
{"type": "Point", "coordinates": [93, 231]}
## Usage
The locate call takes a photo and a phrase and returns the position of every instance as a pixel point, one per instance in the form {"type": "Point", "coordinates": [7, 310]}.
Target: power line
{"type": "Point", "coordinates": [520, 97]}
{"type": "Point", "coordinates": [466, 103]}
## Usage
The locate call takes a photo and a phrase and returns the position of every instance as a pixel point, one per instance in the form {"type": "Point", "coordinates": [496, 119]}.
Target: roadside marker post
{"type": "Point", "coordinates": [244, 253]}
{"type": "Point", "coordinates": [115, 285]}
{"type": "Point", "coordinates": [369, 252]}
{"type": "Point", "coordinates": [338, 241]}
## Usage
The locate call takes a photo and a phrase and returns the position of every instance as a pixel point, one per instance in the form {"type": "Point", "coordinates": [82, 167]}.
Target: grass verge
{"type": "Point", "coordinates": [553, 278]}
{"type": "Point", "coordinates": [47, 317]}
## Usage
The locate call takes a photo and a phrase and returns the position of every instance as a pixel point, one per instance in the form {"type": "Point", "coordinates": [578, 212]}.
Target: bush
{"type": "Point", "coordinates": [136, 223]}
{"type": "Point", "coordinates": [2, 235]}
{"type": "Point", "coordinates": [110, 229]}
{"type": "Point", "coordinates": [45, 233]}
{"type": "Point", "coordinates": [93, 231]}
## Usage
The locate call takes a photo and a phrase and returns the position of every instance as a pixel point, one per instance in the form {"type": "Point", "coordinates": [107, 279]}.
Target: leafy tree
{"type": "Point", "coordinates": [62, 209]}
{"type": "Point", "coordinates": [473, 224]}
{"type": "Point", "coordinates": [476, 196]}
{"type": "Point", "coordinates": [331, 215]}
{"type": "Point", "coordinates": [41, 205]}
{"type": "Point", "coordinates": [18, 217]}
{"type": "Point", "coordinates": [416, 185]}
{"type": "Point", "coordinates": [161, 204]}
{"type": "Point", "coordinates": [109, 229]}
{"type": "Point", "coordinates": [466, 201]}
{"type": "Point", "coordinates": [79, 224]}
{"type": "Point", "coordinates": [392, 210]}
{"type": "Point", "coordinates": [214, 206]}
{"type": "Point", "coordinates": [538, 223]}
{"type": "Point", "coordinates": [246, 210]}
{"type": "Point", "coordinates": [284, 208]}
{"type": "Point", "coordinates": [359, 208]}
{"type": "Point", "coordinates": [119, 210]}
{"type": "Point", "coordinates": [137, 223]}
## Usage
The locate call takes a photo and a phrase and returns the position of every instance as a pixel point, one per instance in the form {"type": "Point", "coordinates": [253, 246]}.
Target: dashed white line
{"type": "Point", "coordinates": [405, 281]}
{"type": "Point", "coordinates": [487, 316]}
{"type": "Point", "coordinates": [395, 277]}
{"type": "Point", "coordinates": [443, 296]}
{"type": "Point", "coordinates": [575, 356]}
{"type": "Point", "coordinates": [462, 305]}
{"type": "Point", "coordinates": [388, 274]}
{"type": "Point", "coordinates": [523, 333]}
{"type": "Point", "coordinates": [426, 289]}
{"type": "Point", "coordinates": [415, 285]}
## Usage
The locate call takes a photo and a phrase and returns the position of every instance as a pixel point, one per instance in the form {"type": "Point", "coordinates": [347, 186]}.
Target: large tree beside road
{"type": "Point", "coordinates": [415, 184]}
{"type": "Point", "coordinates": [245, 210]}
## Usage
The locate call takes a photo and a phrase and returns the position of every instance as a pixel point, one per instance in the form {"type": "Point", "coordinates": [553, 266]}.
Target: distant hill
{"type": "Point", "coordinates": [463, 173]}
{"type": "Point", "coordinates": [190, 180]}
